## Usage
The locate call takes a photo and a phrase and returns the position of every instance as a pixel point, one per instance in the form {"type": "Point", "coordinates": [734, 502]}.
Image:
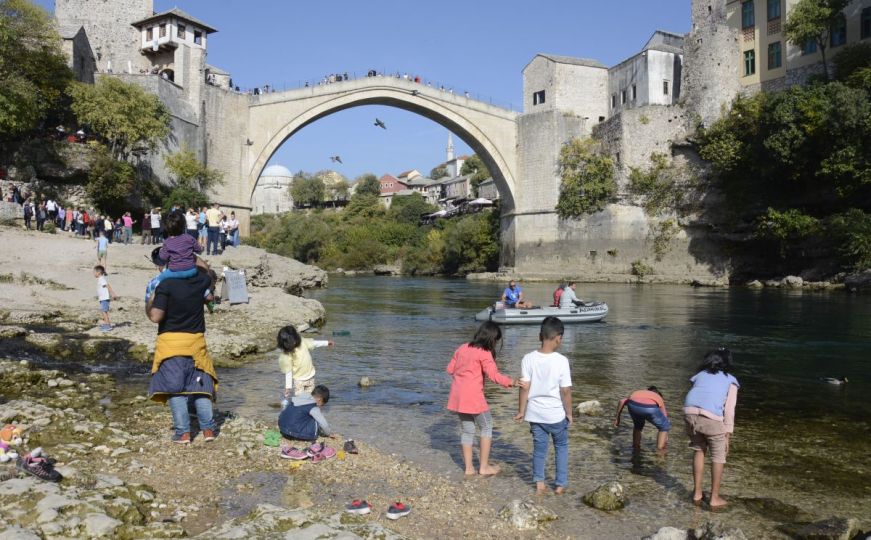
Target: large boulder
{"type": "Point", "coordinates": [11, 213]}
{"type": "Point", "coordinates": [386, 270]}
{"type": "Point", "coordinates": [793, 282]}
{"type": "Point", "coordinates": [525, 515]}
{"type": "Point", "coordinates": [607, 497]}
{"type": "Point", "coordinates": [277, 271]}
{"type": "Point", "coordinates": [858, 282]}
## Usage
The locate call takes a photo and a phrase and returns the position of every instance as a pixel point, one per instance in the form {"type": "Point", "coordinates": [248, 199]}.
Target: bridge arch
{"type": "Point", "coordinates": [490, 131]}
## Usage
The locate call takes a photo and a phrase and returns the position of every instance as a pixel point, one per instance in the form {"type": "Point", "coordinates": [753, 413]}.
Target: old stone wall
{"type": "Point", "coordinates": [582, 90]}
{"type": "Point", "coordinates": [108, 28]}
{"type": "Point", "coordinates": [711, 70]}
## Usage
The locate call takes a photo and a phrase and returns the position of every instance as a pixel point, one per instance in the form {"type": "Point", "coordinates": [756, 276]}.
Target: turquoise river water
{"type": "Point", "coordinates": [800, 445]}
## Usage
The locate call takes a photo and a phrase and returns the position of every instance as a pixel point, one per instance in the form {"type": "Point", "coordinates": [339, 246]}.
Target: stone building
{"type": "Point", "coordinates": [272, 194]}
{"type": "Point", "coordinates": [651, 77]}
{"type": "Point", "coordinates": [166, 39]}
{"type": "Point", "coordinates": [767, 61]}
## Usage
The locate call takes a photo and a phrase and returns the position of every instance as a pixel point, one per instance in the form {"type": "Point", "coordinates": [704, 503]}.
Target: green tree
{"type": "Point", "coordinates": [471, 244]}
{"type": "Point", "coordinates": [588, 183]}
{"type": "Point", "coordinates": [812, 20]}
{"type": "Point", "coordinates": [307, 190]}
{"type": "Point", "coordinates": [111, 183]}
{"type": "Point", "coordinates": [664, 186]}
{"type": "Point", "coordinates": [33, 70]}
{"type": "Point", "coordinates": [339, 191]}
{"type": "Point", "coordinates": [190, 172]}
{"type": "Point", "coordinates": [122, 114]}
{"type": "Point", "coordinates": [368, 184]}
{"type": "Point", "coordinates": [438, 172]}
{"type": "Point", "coordinates": [476, 170]}
{"type": "Point", "coordinates": [409, 208]}
{"type": "Point", "coordinates": [363, 206]}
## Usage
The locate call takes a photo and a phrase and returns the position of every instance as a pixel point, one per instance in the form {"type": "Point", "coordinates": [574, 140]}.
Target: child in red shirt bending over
{"type": "Point", "coordinates": [470, 363]}
{"type": "Point", "coordinates": [646, 406]}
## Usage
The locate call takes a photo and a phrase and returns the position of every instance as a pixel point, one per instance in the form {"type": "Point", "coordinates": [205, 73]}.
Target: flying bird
{"type": "Point", "coordinates": [380, 124]}
{"type": "Point", "coordinates": [335, 159]}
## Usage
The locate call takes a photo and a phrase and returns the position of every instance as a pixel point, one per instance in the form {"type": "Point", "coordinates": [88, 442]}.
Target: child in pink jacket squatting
{"type": "Point", "coordinates": [470, 363]}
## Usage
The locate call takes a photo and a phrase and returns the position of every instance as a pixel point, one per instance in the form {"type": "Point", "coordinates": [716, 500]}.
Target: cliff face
{"type": "Point", "coordinates": [48, 168]}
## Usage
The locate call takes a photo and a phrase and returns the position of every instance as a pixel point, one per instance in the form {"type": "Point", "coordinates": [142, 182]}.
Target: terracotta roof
{"type": "Point", "coordinates": [389, 177]}
{"type": "Point", "coordinates": [175, 12]}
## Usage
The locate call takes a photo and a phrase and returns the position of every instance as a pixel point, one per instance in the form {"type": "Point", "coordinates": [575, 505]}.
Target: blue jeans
{"type": "Point", "coordinates": [649, 413]}
{"type": "Point", "coordinates": [213, 239]}
{"type": "Point", "coordinates": [559, 432]}
{"type": "Point", "coordinates": [181, 419]}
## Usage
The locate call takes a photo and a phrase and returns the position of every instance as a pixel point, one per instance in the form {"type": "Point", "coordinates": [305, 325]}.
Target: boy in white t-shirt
{"type": "Point", "coordinates": [546, 403]}
{"type": "Point", "coordinates": [104, 294]}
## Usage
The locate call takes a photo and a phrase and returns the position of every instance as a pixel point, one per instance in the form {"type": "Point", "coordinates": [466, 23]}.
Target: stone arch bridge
{"type": "Point", "coordinates": [271, 119]}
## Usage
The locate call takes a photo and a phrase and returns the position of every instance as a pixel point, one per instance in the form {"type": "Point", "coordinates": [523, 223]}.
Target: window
{"type": "Point", "coordinates": [163, 30]}
{"type": "Point", "coordinates": [665, 88]}
{"type": "Point", "coordinates": [773, 9]}
{"type": "Point", "coordinates": [149, 34]}
{"type": "Point", "coordinates": [748, 17]}
{"type": "Point", "coordinates": [749, 63]}
{"type": "Point", "coordinates": [775, 59]}
{"type": "Point", "coordinates": [838, 35]}
{"type": "Point", "coordinates": [613, 101]}
{"type": "Point", "coordinates": [601, 119]}
{"type": "Point", "coordinates": [181, 31]}
{"type": "Point", "coordinates": [623, 97]}
{"type": "Point", "coordinates": [866, 23]}
{"type": "Point", "coordinates": [634, 92]}
{"type": "Point", "coordinates": [198, 37]}
{"type": "Point", "coordinates": [810, 47]}
{"type": "Point", "coordinates": [538, 97]}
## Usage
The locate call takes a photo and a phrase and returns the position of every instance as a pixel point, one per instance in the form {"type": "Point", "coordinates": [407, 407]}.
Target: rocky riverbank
{"type": "Point", "coordinates": [48, 300]}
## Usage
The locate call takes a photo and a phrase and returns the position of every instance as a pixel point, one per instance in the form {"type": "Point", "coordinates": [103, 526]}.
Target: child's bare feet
{"type": "Point", "coordinates": [559, 490]}
{"type": "Point", "coordinates": [540, 488]}
{"type": "Point", "coordinates": [718, 502]}
{"type": "Point", "coordinates": [471, 472]}
{"type": "Point", "coordinates": [490, 470]}
{"type": "Point", "coordinates": [697, 498]}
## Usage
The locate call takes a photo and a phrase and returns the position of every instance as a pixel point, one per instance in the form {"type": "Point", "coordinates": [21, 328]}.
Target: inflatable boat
{"type": "Point", "coordinates": [587, 312]}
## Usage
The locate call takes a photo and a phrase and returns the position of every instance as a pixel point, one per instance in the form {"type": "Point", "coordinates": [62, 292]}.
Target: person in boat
{"type": "Point", "coordinates": [557, 294]}
{"type": "Point", "coordinates": [568, 298]}
{"type": "Point", "coordinates": [513, 296]}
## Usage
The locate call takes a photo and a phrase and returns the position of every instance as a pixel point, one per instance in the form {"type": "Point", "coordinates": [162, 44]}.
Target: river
{"type": "Point", "coordinates": [798, 440]}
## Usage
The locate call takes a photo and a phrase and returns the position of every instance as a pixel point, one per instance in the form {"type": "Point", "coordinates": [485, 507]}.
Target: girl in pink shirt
{"type": "Point", "coordinates": [470, 363]}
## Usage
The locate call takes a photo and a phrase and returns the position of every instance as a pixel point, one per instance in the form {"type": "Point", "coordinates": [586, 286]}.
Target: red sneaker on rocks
{"type": "Point", "coordinates": [184, 438]}
{"type": "Point", "coordinates": [398, 510]}
{"type": "Point", "coordinates": [209, 435]}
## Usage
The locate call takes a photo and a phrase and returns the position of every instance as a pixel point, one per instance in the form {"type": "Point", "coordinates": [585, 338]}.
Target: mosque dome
{"type": "Point", "coordinates": [276, 171]}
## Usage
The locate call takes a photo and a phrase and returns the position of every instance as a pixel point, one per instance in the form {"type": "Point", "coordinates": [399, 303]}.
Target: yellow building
{"type": "Point", "coordinates": [767, 60]}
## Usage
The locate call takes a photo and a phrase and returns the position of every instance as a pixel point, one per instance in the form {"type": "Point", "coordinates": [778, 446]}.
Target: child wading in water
{"type": "Point", "coordinates": [470, 363]}
{"type": "Point", "coordinates": [646, 406]}
{"type": "Point", "coordinates": [104, 294]}
{"type": "Point", "coordinates": [547, 403]}
{"type": "Point", "coordinates": [709, 411]}
{"type": "Point", "coordinates": [296, 362]}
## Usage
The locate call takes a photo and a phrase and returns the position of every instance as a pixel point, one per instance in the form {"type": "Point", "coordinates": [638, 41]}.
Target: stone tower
{"type": "Point", "coordinates": [114, 42]}
{"type": "Point", "coordinates": [711, 73]}
{"type": "Point", "coordinates": [450, 155]}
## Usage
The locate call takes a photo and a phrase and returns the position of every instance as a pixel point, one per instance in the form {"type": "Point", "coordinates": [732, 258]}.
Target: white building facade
{"type": "Point", "coordinates": [272, 194]}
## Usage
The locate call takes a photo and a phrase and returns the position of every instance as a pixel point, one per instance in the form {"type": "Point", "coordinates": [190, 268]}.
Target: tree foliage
{"type": "Point", "coordinates": [588, 183]}
{"type": "Point", "coordinates": [33, 70]}
{"type": "Point", "coordinates": [664, 187]}
{"type": "Point", "coordinates": [368, 184]}
{"type": "Point", "coordinates": [812, 20]}
{"type": "Point", "coordinates": [307, 190]}
{"type": "Point", "coordinates": [111, 183]}
{"type": "Point", "coordinates": [795, 170]}
{"type": "Point", "coordinates": [122, 114]}
{"type": "Point", "coordinates": [438, 172]}
{"type": "Point", "coordinates": [409, 208]}
{"type": "Point", "coordinates": [190, 172]}
{"type": "Point", "coordinates": [476, 170]}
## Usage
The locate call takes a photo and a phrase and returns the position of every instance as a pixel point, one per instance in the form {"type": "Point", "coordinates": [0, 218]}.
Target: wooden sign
{"type": "Point", "coordinates": [234, 290]}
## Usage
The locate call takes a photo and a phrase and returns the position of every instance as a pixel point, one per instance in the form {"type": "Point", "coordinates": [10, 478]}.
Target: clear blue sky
{"type": "Point", "coordinates": [479, 46]}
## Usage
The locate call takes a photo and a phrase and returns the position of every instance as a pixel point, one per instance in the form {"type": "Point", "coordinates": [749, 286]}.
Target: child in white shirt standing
{"type": "Point", "coordinates": [104, 295]}
{"type": "Point", "coordinates": [546, 403]}
{"type": "Point", "coordinates": [296, 362]}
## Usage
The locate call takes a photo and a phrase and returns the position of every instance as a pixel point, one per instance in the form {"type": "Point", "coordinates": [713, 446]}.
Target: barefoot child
{"type": "Point", "coordinates": [709, 411]}
{"type": "Point", "coordinates": [646, 406]}
{"type": "Point", "coordinates": [470, 363]}
{"type": "Point", "coordinates": [104, 294]}
{"type": "Point", "coordinates": [547, 403]}
{"type": "Point", "coordinates": [296, 362]}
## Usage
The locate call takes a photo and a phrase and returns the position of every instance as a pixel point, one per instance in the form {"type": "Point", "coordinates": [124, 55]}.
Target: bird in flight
{"type": "Point", "coordinates": [335, 159]}
{"type": "Point", "coordinates": [380, 124]}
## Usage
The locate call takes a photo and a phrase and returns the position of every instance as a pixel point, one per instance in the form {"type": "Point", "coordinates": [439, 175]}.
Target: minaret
{"type": "Point", "coordinates": [450, 147]}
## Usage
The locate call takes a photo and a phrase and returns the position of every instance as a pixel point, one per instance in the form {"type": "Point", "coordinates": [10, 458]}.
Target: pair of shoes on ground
{"type": "Point", "coordinates": [317, 452]}
{"type": "Point", "coordinates": [361, 508]}
{"type": "Point", "coordinates": [185, 438]}
{"type": "Point", "coordinates": [39, 465]}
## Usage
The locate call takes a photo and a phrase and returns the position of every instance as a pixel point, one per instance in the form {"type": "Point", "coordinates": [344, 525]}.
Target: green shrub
{"type": "Point", "coordinates": [852, 233]}
{"type": "Point", "coordinates": [640, 269]}
{"type": "Point", "coordinates": [588, 184]}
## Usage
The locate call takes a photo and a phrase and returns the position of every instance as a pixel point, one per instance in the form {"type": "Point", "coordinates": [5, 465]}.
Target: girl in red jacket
{"type": "Point", "coordinates": [470, 363]}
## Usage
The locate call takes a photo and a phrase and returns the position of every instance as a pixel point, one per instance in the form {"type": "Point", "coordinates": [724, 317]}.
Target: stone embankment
{"type": "Point", "coordinates": [48, 299]}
